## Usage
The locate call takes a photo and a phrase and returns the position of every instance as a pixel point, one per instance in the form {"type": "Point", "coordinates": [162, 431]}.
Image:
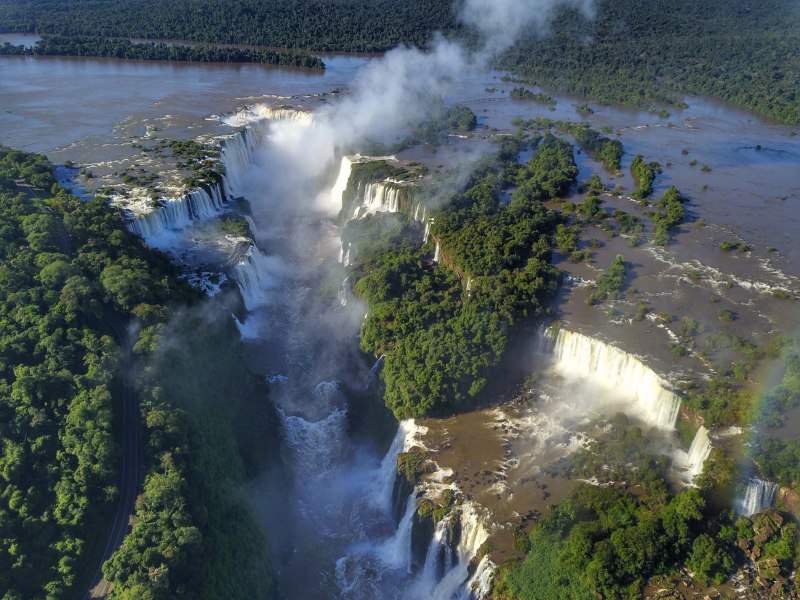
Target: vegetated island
{"type": "Point", "coordinates": [643, 54]}
{"type": "Point", "coordinates": [446, 315]}
{"type": "Point", "coordinates": [59, 45]}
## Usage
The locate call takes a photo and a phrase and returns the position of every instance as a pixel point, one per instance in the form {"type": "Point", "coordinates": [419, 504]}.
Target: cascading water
{"type": "Point", "coordinates": [623, 377]}
{"type": "Point", "coordinates": [383, 567]}
{"type": "Point", "coordinates": [377, 197]}
{"type": "Point", "coordinates": [259, 113]}
{"type": "Point", "coordinates": [371, 197]}
{"type": "Point", "coordinates": [348, 519]}
{"type": "Point", "coordinates": [480, 585]}
{"type": "Point", "coordinates": [692, 461]}
{"type": "Point", "coordinates": [246, 329]}
{"type": "Point", "coordinates": [236, 156]}
{"type": "Point", "coordinates": [758, 495]}
{"type": "Point", "coordinates": [255, 274]}
{"type": "Point", "coordinates": [345, 169]}
{"type": "Point", "coordinates": [456, 540]}
{"type": "Point", "coordinates": [344, 291]}
{"type": "Point", "coordinates": [200, 203]}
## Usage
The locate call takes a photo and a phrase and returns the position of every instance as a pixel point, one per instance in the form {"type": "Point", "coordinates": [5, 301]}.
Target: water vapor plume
{"type": "Point", "coordinates": [502, 23]}
{"type": "Point", "coordinates": [397, 90]}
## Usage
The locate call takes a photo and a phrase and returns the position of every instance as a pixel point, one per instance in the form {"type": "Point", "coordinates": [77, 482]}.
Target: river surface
{"type": "Point", "coordinates": [76, 108]}
{"type": "Point", "coordinates": [344, 538]}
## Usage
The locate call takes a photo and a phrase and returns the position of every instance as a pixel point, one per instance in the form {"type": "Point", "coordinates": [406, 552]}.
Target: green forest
{"type": "Point", "coordinates": [339, 25]}
{"type": "Point", "coordinates": [59, 45]}
{"type": "Point", "coordinates": [652, 53]}
{"type": "Point", "coordinates": [445, 327]}
{"type": "Point", "coordinates": [73, 280]}
{"type": "Point", "coordinates": [643, 54]}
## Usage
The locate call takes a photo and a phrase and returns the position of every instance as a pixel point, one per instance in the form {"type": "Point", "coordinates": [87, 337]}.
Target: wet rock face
{"type": "Point", "coordinates": [421, 534]}
{"type": "Point", "coordinates": [400, 492]}
{"type": "Point", "coordinates": [790, 499]}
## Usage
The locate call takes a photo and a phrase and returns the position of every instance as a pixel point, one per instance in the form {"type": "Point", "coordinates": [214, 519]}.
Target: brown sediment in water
{"type": "Point", "coordinates": [486, 452]}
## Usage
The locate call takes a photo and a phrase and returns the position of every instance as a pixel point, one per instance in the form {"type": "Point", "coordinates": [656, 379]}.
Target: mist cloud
{"type": "Point", "coordinates": [389, 94]}
{"type": "Point", "coordinates": [502, 23]}
{"type": "Point", "coordinates": [395, 91]}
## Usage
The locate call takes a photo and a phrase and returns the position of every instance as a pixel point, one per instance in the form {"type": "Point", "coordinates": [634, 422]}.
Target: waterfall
{"type": "Point", "coordinates": [455, 543]}
{"type": "Point", "coordinates": [395, 552]}
{"type": "Point", "coordinates": [376, 197]}
{"type": "Point", "coordinates": [236, 156]}
{"type": "Point", "coordinates": [255, 275]}
{"type": "Point", "coordinates": [337, 191]}
{"type": "Point", "coordinates": [381, 568]}
{"type": "Point", "coordinates": [373, 372]}
{"type": "Point", "coordinates": [263, 112]}
{"type": "Point", "coordinates": [407, 436]}
{"type": "Point", "coordinates": [480, 584]}
{"type": "Point", "coordinates": [370, 197]}
{"type": "Point", "coordinates": [437, 252]}
{"type": "Point", "coordinates": [344, 291]}
{"type": "Point", "coordinates": [419, 212]}
{"type": "Point", "coordinates": [621, 375]}
{"type": "Point", "coordinates": [247, 330]}
{"type": "Point", "coordinates": [377, 366]}
{"type": "Point", "coordinates": [692, 461]}
{"type": "Point", "coordinates": [427, 232]}
{"type": "Point", "coordinates": [301, 117]}
{"type": "Point", "coordinates": [200, 203]}
{"type": "Point", "coordinates": [758, 495]}
{"type": "Point", "coordinates": [380, 197]}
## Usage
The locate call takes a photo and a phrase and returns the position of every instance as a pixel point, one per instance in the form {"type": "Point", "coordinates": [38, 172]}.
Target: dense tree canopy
{"type": "Point", "coordinates": [59, 45]}
{"type": "Point", "coordinates": [69, 274]}
{"type": "Point", "coordinates": [72, 278]}
{"type": "Point", "coordinates": [444, 326]}
{"type": "Point", "coordinates": [633, 52]}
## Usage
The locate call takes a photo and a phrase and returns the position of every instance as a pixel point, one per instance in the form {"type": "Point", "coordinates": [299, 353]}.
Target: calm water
{"type": "Point", "coordinates": [52, 104]}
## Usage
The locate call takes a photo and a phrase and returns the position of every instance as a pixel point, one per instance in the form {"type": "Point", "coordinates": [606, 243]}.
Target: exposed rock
{"type": "Point", "coordinates": [790, 499]}
{"type": "Point", "coordinates": [768, 568]}
{"type": "Point", "coordinates": [743, 545]}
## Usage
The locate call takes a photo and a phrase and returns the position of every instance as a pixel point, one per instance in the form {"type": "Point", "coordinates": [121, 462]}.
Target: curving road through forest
{"type": "Point", "coordinates": [131, 466]}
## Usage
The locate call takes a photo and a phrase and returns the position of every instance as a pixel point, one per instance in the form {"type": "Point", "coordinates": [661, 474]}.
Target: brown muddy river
{"type": "Point", "coordinates": [92, 111]}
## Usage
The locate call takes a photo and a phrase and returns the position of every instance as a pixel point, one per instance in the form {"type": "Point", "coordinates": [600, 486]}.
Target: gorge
{"type": "Point", "coordinates": [431, 507]}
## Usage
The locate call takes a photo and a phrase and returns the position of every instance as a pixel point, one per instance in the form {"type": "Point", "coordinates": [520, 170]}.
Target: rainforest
{"type": "Point", "coordinates": [454, 300]}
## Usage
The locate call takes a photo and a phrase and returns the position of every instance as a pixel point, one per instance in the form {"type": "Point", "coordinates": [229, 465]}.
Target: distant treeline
{"type": "Point", "coordinates": [644, 52]}
{"type": "Point", "coordinates": [634, 52]}
{"type": "Point", "coordinates": [58, 45]}
{"type": "Point", "coordinates": [331, 25]}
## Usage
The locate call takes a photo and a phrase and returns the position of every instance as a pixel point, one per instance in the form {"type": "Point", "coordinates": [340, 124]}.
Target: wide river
{"type": "Point", "coordinates": [80, 109]}
{"type": "Point", "coordinates": [89, 111]}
